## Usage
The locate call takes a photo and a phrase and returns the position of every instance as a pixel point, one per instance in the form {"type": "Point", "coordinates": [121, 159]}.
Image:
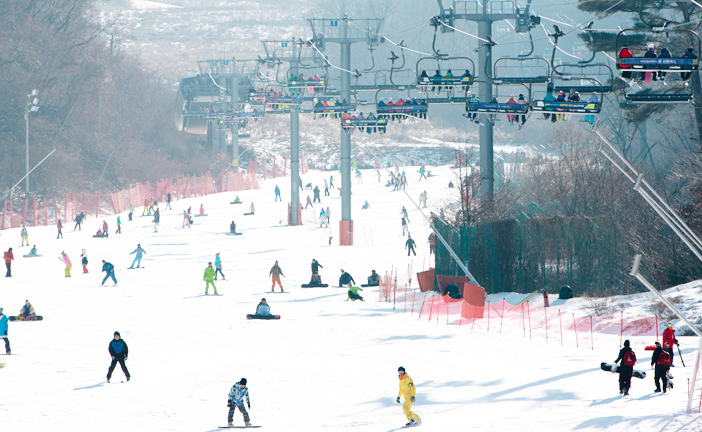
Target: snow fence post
{"type": "Point", "coordinates": [575, 327]}
{"type": "Point", "coordinates": [592, 341]}
{"type": "Point", "coordinates": [560, 321]}
{"type": "Point", "coordinates": [422, 308]}
{"type": "Point", "coordinates": [502, 317]}
{"type": "Point", "coordinates": [36, 213]}
{"type": "Point", "coordinates": [488, 321]}
{"type": "Point", "coordinates": [413, 293]}
{"type": "Point", "coordinates": [546, 323]}
{"type": "Point", "coordinates": [529, 314]}
{"type": "Point", "coordinates": [621, 327]}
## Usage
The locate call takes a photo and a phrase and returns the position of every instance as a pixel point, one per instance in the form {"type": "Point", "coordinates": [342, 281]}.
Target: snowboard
{"type": "Point", "coordinates": [21, 318]}
{"type": "Point", "coordinates": [263, 317]}
{"type": "Point", "coordinates": [31, 256]}
{"type": "Point", "coordinates": [370, 285]}
{"type": "Point", "coordinates": [609, 367]}
{"type": "Point", "coordinates": [199, 215]}
{"type": "Point", "coordinates": [134, 268]}
{"type": "Point", "coordinates": [248, 214]}
{"type": "Point", "coordinates": [669, 376]}
{"type": "Point", "coordinates": [234, 202]}
{"type": "Point", "coordinates": [218, 294]}
{"type": "Point", "coordinates": [311, 285]}
{"type": "Point", "coordinates": [97, 236]}
{"type": "Point", "coordinates": [237, 427]}
{"type": "Point", "coordinates": [231, 233]}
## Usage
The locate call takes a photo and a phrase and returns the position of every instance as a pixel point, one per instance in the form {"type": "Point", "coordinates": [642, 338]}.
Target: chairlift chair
{"type": "Point", "coordinates": [463, 77]}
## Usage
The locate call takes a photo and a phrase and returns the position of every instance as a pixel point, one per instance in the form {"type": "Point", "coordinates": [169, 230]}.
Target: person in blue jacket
{"type": "Point", "coordinates": [263, 308]}
{"type": "Point", "coordinates": [139, 253]}
{"type": "Point", "coordinates": [110, 269]}
{"type": "Point", "coordinates": [237, 394]}
{"type": "Point", "coordinates": [119, 351]}
{"type": "Point", "coordinates": [3, 331]}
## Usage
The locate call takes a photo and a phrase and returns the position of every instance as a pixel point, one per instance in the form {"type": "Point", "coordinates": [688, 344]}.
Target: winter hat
{"type": "Point", "coordinates": [401, 369]}
{"type": "Point", "coordinates": [117, 334]}
{"type": "Point", "coordinates": [1, 309]}
{"type": "Point", "coordinates": [657, 343]}
{"type": "Point", "coordinates": [626, 343]}
{"type": "Point", "coordinates": [243, 381]}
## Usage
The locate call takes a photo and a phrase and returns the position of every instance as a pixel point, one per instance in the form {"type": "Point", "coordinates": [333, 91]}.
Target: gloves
{"type": "Point", "coordinates": [653, 367]}
{"type": "Point", "coordinates": [229, 404]}
{"type": "Point", "coordinates": [249, 405]}
{"type": "Point", "coordinates": [113, 357]}
{"type": "Point", "coordinates": [125, 358]}
{"type": "Point", "coordinates": [412, 399]}
{"type": "Point", "coordinates": [398, 399]}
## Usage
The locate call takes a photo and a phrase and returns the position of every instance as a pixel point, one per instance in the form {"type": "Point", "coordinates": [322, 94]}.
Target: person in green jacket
{"type": "Point", "coordinates": [209, 278]}
{"type": "Point", "coordinates": [353, 293]}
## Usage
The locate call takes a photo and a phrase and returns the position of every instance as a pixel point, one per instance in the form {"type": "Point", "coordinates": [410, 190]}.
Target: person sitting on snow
{"type": "Point", "coordinates": [374, 278]}
{"type": "Point", "coordinates": [27, 310]}
{"type": "Point", "coordinates": [345, 279]}
{"type": "Point", "coordinates": [263, 308]}
{"type": "Point", "coordinates": [33, 252]}
{"type": "Point", "coordinates": [316, 279]}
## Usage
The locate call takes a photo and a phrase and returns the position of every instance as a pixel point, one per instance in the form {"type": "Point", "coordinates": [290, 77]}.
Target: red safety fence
{"type": "Point", "coordinates": [65, 208]}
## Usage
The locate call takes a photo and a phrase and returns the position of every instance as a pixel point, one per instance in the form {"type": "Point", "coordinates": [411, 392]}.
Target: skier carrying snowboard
{"type": "Point", "coordinates": [660, 362]}
{"type": "Point", "coordinates": [236, 400]}
{"type": "Point", "coordinates": [408, 391]}
{"type": "Point", "coordinates": [626, 369]}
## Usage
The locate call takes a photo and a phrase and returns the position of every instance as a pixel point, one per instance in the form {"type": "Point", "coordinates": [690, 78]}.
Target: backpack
{"type": "Point", "coordinates": [629, 359]}
{"type": "Point", "coordinates": [664, 358]}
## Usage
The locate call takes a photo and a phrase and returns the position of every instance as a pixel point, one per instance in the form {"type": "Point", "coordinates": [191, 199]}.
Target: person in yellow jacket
{"type": "Point", "coordinates": [407, 390]}
{"type": "Point", "coordinates": [209, 278]}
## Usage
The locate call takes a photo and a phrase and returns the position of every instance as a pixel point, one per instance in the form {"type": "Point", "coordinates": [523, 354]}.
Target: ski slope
{"type": "Point", "coordinates": [328, 364]}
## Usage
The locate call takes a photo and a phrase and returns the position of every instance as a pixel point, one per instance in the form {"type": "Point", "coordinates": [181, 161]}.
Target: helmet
{"type": "Point", "coordinates": [401, 369]}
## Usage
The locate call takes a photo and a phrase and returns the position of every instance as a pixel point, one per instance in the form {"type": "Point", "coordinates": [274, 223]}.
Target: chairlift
{"type": "Point", "coordinates": [370, 124]}
{"type": "Point", "coordinates": [584, 77]}
{"type": "Point", "coordinates": [569, 99]}
{"type": "Point", "coordinates": [409, 107]}
{"type": "Point", "coordinates": [494, 107]}
{"type": "Point", "coordinates": [277, 102]}
{"type": "Point", "coordinates": [642, 57]}
{"type": "Point", "coordinates": [331, 106]}
{"type": "Point", "coordinates": [313, 83]}
{"type": "Point", "coordinates": [538, 67]}
{"type": "Point", "coordinates": [446, 80]}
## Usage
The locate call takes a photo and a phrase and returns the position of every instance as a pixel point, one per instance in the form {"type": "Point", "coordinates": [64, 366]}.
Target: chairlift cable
{"type": "Point", "coordinates": [328, 62]}
{"type": "Point", "coordinates": [461, 31]}
{"type": "Point", "coordinates": [557, 47]}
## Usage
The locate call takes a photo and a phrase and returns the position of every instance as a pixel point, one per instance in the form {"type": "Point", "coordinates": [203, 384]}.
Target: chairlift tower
{"type": "Point", "coordinates": [290, 51]}
{"type": "Point", "coordinates": [336, 30]}
{"type": "Point", "coordinates": [485, 13]}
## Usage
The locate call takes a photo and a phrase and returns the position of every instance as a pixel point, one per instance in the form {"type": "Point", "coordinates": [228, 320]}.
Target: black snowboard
{"type": "Point", "coordinates": [314, 285]}
{"type": "Point", "coordinates": [237, 427]}
{"type": "Point", "coordinates": [263, 317]}
{"type": "Point", "coordinates": [21, 318]}
{"type": "Point", "coordinates": [607, 367]}
{"type": "Point", "coordinates": [369, 285]}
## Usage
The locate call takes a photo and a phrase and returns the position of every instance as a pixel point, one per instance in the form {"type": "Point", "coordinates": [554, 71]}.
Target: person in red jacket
{"type": "Point", "coordinates": [669, 340]}
{"type": "Point", "coordinates": [625, 53]}
{"type": "Point", "coordinates": [9, 256]}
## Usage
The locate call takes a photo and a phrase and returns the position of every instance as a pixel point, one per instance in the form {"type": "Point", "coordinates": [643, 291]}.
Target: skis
{"type": "Point", "coordinates": [134, 268]}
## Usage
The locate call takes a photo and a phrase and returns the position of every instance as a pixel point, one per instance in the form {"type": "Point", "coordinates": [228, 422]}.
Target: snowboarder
{"type": "Point", "coordinates": [353, 293]}
{"type": "Point", "coordinates": [27, 310]}
{"type": "Point", "coordinates": [423, 199]}
{"type": "Point", "coordinates": [316, 266]}
{"type": "Point", "coordinates": [23, 234]}
{"type": "Point", "coordinates": [374, 278]}
{"type": "Point", "coordinates": [33, 252]}
{"type": "Point", "coordinates": [669, 340]}
{"type": "Point", "coordinates": [275, 274]}
{"type": "Point", "coordinates": [422, 171]}
{"type": "Point", "coordinates": [277, 193]}
{"type": "Point", "coordinates": [408, 391]}
{"type": "Point", "coordinates": [78, 220]}
{"type": "Point", "coordinates": [660, 363]}
{"type": "Point", "coordinates": [9, 257]}
{"type": "Point", "coordinates": [131, 212]}
{"type": "Point", "coordinates": [404, 213]}
{"type": "Point", "coordinates": [186, 219]}
{"type": "Point", "coordinates": [218, 266]}
{"type": "Point", "coordinates": [309, 202]}
{"type": "Point", "coordinates": [157, 219]}
{"type": "Point", "coordinates": [4, 331]}
{"type": "Point", "coordinates": [263, 308]}
{"type": "Point", "coordinates": [110, 270]}
{"type": "Point", "coordinates": [209, 278]}
{"type": "Point", "coordinates": [626, 369]}
{"type": "Point", "coordinates": [405, 228]}
{"type": "Point", "coordinates": [316, 195]}
{"type": "Point", "coordinates": [432, 243]}
{"type": "Point", "coordinates": [139, 252]}
{"type": "Point", "coordinates": [168, 202]}
{"type": "Point", "coordinates": [59, 226]}
{"type": "Point", "coordinates": [67, 261]}
{"type": "Point", "coordinates": [232, 227]}
{"type": "Point", "coordinates": [236, 400]}
{"type": "Point", "coordinates": [119, 351]}
{"type": "Point", "coordinates": [202, 210]}
{"type": "Point", "coordinates": [345, 279]}
{"type": "Point", "coordinates": [119, 226]}
{"type": "Point", "coordinates": [410, 244]}
{"type": "Point", "coordinates": [84, 261]}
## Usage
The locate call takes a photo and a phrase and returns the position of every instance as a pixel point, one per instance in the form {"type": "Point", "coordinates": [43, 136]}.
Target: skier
{"type": "Point", "coordinates": [104, 228]}
{"type": "Point", "coordinates": [186, 219]}
{"type": "Point", "coordinates": [277, 193]}
{"type": "Point", "coordinates": [331, 182]}
{"type": "Point", "coordinates": [626, 369]}
{"type": "Point", "coordinates": [374, 278]}
{"type": "Point", "coordinates": [67, 261]}
{"type": "Point", "coordinates": [59, 226]}
{"type": "Point", "coordinates": [84, 261]}
{"type": "Point", "coordinates": [660, 362]}
{"type": "Point", "coordinates": [309, 202]}
{"type": "Point", "coordinates": [23, 234]}
{"type": "Point", "coordinates": [232, 227]}
{"type": "Point", "coordinates": [410, 244]}
{"type": "Point", "coordinates": [139, 252]}
{"type": "Point", "coordinates": [322, 218]}
{"type": "Point", "coordinates": [275, 274]}
{"type": "Point", "coordinates": [263, 308]}
{"type": "Point", "coordinates": [110, 270]}
{"type": "Point", "coordinates": [119, 351]}
{"type": "Point", "coordinates": [236, 400]}
{"type": "Point", "coordinates": [353, 293]}
{"type": "Point", "coordinates": [327, 212]}
{"type": "Point", "coordinates": [365, 205]}
{"type": "Point", "coordinates": [315, 266]}
{"type": "Point", "coordinates": [131, 212]}
{"type": "Point", "coordinates": [345, 279]}
{"type": "Point", "coordinates": [669, 340]}
{"type": "Point", "coordinates": [157, 219]}
{"type": "Point", "coordinates": [432, 243]}
{"type": "Point", "coordinates": [625, 53]}
{"type": "Point", "coordinates": [78, 220]}
{"type": "Point", "coordinates": [218, 266]}
{"type": "Point", "coordinates": [209, 278]}
{"type": "Point", "coordinates": [168, 202]}
{"type": "Point", "coordinates": [359, 177]}
{"type": "Point", "coordinates": [405, 228]}
{"type": "Point", "coordinates": [423, 199]}
{"type": "Point", "coordinates": [326, 188]}
{"type": "Point", "coordinates": [9, 257]}
{"type": "Point", "coordinates": [316, 195]}
{"type": "Point", "coordinates": [404, 213]}
{"type": "Point", "coordinates": [422, 171]}
{"type": "Point", "coordinates": [27, 310]}
{"type": "Point", "coordinates": [119, 226]}
{"type": "Point", "coordinates": [408, 391]}
{"type": "Point", "coordinates": [689, 54]}
{"type": "Point", "coordinates": [4, 331]}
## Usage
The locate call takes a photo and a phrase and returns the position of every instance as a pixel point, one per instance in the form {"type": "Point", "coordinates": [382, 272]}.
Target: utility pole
{"type": "Point", "coordinates": [337, 31]}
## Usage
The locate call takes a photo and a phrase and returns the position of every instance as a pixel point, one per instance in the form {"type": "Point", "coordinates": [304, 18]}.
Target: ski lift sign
{"type": "Point", "coordinates": [334, 23]}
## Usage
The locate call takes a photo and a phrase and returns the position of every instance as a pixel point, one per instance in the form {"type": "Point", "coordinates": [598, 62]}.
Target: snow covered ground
{"type": "Point", "coordinates": [327, 364]}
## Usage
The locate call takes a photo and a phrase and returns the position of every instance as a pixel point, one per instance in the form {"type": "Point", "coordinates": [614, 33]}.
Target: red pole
{"type": "Point", "coordinates": [36, 212]}
{"type": "Point", "coordinates": [422, 308]}
{"type": "Point", "coordinates": [502, 318]}
{"type": "Point", "coordinates": [592, 342]}
{"type": "Point", "coordinates": [529, 313]}
{"type": "Point", "coordinates": [656, 316]}
{"type": "Point", "coordinates": [475, 309]}
{"type": "Point", "coordinates": [546, 323]}
{"type": "Point", "coordinates": [413, 293]}
{"type": "Point", "coordinates": [46, 214]}
{"type": "Point", "coordinates": [523, 320]}
{"type": "Point", "coordinates": [575, 327]}
{"type": "Point", "coordinates": [621, 327]}
{"type": "Point", "coordinates": [405, 310]}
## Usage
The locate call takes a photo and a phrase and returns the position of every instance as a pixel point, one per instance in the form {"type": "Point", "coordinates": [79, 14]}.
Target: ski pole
{"type": "Point", "coordinates": [680, 354]}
